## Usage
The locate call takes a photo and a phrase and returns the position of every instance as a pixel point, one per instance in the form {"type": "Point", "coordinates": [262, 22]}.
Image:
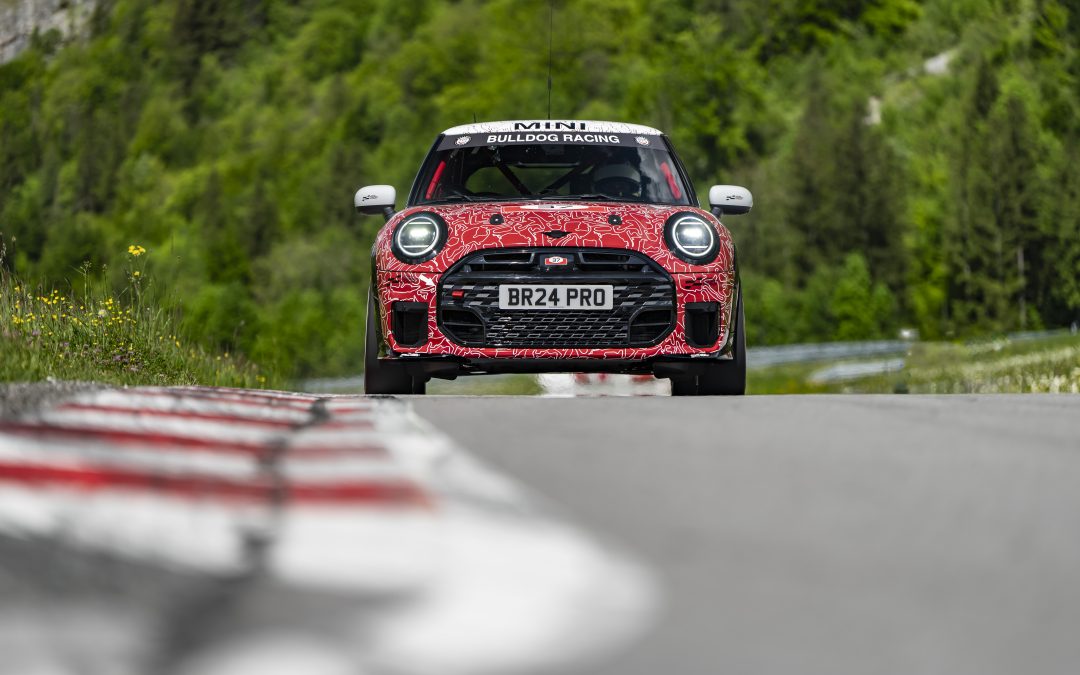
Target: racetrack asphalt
{"type": "Point", "coordinates": [818, 534]}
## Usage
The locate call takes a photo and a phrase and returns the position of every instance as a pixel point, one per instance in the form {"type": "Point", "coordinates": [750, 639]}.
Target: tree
{"type": "Point", "coordinates": [846, 190]}
{"type": "Point", "coordinates": [860, 309]}
{"type": "Point", "coordinates": [202, 27]}
{"type": "Point", "coordinates": [999, 217]}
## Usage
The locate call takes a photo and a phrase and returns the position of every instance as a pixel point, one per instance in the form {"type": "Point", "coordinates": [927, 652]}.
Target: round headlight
{"type": "Point", "coordinates": [419, 237]}
{"type": "Point", "coordinates": [691, 238]}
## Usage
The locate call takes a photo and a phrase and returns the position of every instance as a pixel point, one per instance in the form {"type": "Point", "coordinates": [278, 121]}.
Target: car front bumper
{"type": "Point", "coordinates": [411, 328]}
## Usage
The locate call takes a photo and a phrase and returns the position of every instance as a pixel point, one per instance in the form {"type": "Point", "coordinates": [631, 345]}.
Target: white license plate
{"type": "Point", "coordinates": [543, 296]}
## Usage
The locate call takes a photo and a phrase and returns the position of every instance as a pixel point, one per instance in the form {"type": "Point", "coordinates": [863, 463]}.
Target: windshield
{"type": "Point", "coordinates": [467, 171]}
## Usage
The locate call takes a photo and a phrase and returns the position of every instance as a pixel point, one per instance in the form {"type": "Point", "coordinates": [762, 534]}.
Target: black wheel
{"type": "Point", "coordinates": [728, 378]}
{"type": "Point", "coordinates": [382, 377]}
{"type": "Point", "coordinates": [684, 386]}
{"type": "Point", "coordinates": [419, 386]}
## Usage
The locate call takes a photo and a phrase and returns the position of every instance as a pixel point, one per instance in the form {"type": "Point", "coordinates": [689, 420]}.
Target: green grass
{"type": "Point", "coordinates": [1048, 365]}
{"type": "Point", "coordinates": [94, 335]}
{"type": "Point", "coordinates": [487, 385]}
{"type": "Point", "coordinates": [786, 379]}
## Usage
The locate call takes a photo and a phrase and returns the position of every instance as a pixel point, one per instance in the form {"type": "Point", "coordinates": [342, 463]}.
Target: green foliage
{"type": "Point", "coordinates": [772, 310]}
{"type": "Point", "coordinates": [837, 303]}
{"type": "Point", "coordinates": [852, 201]}
{"type": "Point", "coordinates": [860, 309]}
{"type": "Point", "coordinates": [229, 136]}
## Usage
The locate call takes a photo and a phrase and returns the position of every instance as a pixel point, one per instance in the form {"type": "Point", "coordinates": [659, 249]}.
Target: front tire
{"type": "Point", "coordinates": [381, 376]}
{"type": "Point", "coordinates": [684, 386]}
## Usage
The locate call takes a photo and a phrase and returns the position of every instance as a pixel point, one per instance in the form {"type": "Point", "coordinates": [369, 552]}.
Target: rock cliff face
{"type": "Point", "coordinates": [20, 18]}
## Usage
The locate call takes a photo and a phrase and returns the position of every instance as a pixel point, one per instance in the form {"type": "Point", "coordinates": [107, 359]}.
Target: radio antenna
{"type": "Point", "coordinates": [551, 24]}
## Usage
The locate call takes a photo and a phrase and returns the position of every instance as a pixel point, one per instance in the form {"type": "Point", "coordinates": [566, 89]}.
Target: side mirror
{"type": "Point", "coordinates": [730, 200]}
{"type": "Point", "coordinates": [375, 199]}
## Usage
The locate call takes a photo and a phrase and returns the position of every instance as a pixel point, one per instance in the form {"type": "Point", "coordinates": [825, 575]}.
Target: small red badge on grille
{"type": "Point", "coordinates": [555, 260]}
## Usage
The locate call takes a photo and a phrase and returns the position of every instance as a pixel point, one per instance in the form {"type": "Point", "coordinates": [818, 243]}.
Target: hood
{"type": "Point", "coordinates": [552, 224]}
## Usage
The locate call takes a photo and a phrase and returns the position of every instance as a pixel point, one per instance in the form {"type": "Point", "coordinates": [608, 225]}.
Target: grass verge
{"type": "Point", "coordinates": [94, 335]}
{"type": "Point", "coordinates": [998, 366]}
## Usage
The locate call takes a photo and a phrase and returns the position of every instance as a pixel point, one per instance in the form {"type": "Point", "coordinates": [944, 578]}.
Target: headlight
{"type": "Point", "coordinates": [419, 237]}
{"type": "Point", "coordinates": [691, 238]}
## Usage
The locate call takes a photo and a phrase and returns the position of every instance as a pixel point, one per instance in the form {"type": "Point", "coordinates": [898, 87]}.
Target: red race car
{"type": "Point", "coordinates": [554, 246]}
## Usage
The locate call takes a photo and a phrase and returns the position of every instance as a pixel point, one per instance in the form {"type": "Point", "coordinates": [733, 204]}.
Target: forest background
{"type": "Point", "coordinates": [913, 162]}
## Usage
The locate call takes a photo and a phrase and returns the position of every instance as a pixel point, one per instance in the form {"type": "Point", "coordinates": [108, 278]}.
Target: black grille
{"type": "Point", "coordinates": [410, 323]}
{"type": "Point", "coordinates": [643, 311]}
{"type": "Point", "coordinates": [702, 323]}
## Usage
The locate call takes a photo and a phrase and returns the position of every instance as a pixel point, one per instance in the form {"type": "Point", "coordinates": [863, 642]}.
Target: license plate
{"type": "Point", "coordinates": [542, 296]}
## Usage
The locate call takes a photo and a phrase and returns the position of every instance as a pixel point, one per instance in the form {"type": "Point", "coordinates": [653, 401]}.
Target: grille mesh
{"type": "Point", "coordinates": [556, 329]}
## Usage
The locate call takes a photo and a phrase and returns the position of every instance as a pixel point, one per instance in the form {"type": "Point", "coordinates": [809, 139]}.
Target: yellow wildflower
{"type": "Point", "coordinates": [135, 250]}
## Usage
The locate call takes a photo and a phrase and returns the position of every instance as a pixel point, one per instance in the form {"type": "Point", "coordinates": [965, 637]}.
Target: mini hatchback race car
{"type": "Point", "coordinates": [554, 246]}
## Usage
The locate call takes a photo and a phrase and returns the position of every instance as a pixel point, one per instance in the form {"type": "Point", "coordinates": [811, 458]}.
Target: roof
{"type": "Point", "coordinates": [552, 125]}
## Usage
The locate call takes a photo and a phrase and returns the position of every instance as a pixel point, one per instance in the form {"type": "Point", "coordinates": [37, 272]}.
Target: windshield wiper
{"type": "Point", "coordinates": [457, 195]}
{"type": "Point", "coordinates": [590, 197]}
{"type": "Point", "coordinates": [469, 198]}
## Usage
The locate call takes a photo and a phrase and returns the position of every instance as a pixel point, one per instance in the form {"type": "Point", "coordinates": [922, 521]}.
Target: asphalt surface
{"type": "Point", "coordinates": [823, 534]}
